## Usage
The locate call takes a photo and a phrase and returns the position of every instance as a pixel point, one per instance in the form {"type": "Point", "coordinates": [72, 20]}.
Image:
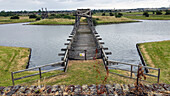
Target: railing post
{"type": "Point", "coordinates": [158, 75]}
{"type": "Point", "coordinates": [138, 78]}
{"type": "Point", "coordinates": [40, 72]}
{"type": "Point", "coordinates": [131, 71]}
{"type": "Point", "coordinates": [85, 51]}
{"type": "Point", "coordinates": [12, 75]}
{"type": "Point", "coordinates": [101, 53]}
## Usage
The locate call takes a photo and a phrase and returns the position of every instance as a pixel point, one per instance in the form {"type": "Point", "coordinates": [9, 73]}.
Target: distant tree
{"type": "Point", "coordinates": [158, 12]}
{"type": "Point", "coordinates": [25, 11]}
{"type": "Point", "coordinates": [167, 12]}
{"type": "Point", "coordinates": [14, 17]}
{"type": "Point", "coordinates": [39, 11]}
{"type": "Point", "coordinates": [103, 14]}
{"type": "Point", "coordinates": [53, 15]}
{"type": "Point", "coordinates": [32, 16]}
{"type": "Point", "coordinates": [38, 18]}
{"type": "Point", "coordinates": [111, 14]}
{"type": "Point", "coordinates": [146, 14]}
{"type": "Point", "coordinates": [118, 15]}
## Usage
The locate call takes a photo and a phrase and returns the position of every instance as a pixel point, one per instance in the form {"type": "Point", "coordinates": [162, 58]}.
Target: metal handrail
{"type": "Point", "coordinates": [131, 69]}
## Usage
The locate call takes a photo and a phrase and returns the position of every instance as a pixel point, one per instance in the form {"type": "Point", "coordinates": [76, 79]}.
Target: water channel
{"type": "Point", "coordinates": [46, 41]}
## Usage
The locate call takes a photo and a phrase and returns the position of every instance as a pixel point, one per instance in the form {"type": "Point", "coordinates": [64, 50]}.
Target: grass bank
{"type": "Point", "coordinates": [7, 20]}
{"type": "Point", "coordinates": [112, 20]}
{"type": "Point", "coordinates": [151, 17]}
{"type": "Point", "coordinates": [15, 59]}
{"type": "Point", "coordinates": [86, 72]}
{"type": "Point", "coordinates": [59, 21]}
{"type": "Point", "coordinates": [157, 54]}
{"type": "Point", "coordinates": [101, 20]}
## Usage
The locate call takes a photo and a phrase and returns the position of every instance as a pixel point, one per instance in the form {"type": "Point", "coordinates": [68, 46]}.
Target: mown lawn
{"type": "Point", "coordinates": [15, 59]}
{"type": "Point", "coordinates": [157, 54]}
{"type": "Point", "coordinates": [87, 72]}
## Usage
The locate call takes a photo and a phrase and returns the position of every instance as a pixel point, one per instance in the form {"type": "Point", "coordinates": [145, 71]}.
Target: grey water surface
{"type": "Point", "coordinates": [46, 41]}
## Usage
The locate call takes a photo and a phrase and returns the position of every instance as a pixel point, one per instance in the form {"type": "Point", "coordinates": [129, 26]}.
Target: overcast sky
{"type": "Point", "coordinates": [74, 4]}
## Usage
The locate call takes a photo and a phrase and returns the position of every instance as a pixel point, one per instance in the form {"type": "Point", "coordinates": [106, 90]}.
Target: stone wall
{"type": "Point", "coordinates": [108, 89]}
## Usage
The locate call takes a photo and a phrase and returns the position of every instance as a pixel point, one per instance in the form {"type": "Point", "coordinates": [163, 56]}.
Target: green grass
{"type": "Point", "coordinates": [87, 72]}
{"type": "Point", "coordinates": [159, 57]}
{"type": "Point", "coordinates": [112, 20]}
{"type": "Point", "coordinates": [15, 59]}
{"type": "Point", "coordinates": [7, 20]}
{"type": "Point", "coordinates": [151, 17]}
{"type": "Point", "coordinates": [59, 21]}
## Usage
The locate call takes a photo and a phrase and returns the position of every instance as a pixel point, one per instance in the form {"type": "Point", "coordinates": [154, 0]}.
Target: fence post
{"type": "Point", "coordinates": [158, 75]}
{"type": "Point", "coordinates": [85, 51]}
{"type": "Point", "coordinates": [12, 75]}
{"type": "Point", "coordinates": [40, 72]}
{"type": "Point", "coordinates": [101, 53]}
{"type": "Point", "coordinates": [138, 78]}
{"type": "Point", "coordinates": [131, 71]}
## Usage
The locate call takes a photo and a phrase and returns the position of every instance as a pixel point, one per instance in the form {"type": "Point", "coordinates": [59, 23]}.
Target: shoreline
{"type": "Point", "coordinates": [155, 54]}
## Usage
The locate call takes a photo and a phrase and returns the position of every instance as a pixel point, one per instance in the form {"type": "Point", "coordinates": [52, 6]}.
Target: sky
{"type": "Point", "coordinates": [34, 5]}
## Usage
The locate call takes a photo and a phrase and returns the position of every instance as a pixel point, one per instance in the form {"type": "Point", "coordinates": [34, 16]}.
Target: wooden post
{"type": "Point", "coordinates": [138, 78]}
{"type": "Point", "coordinates": [131, 71]}
{"type": "Point", "coordinates": [12, 75]}
{"type": "Point", "coordinates": [85, 51]}
{"type": "Point", "coordinates": [40, 72]}
{"type": "Point", "coordinates": [101, 53]}
{"type": "Point", "coordinates": [158, 75]}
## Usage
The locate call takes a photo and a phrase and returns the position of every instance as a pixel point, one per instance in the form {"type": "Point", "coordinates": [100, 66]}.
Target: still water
{"type": "Point", "coordinates": [47, 41]}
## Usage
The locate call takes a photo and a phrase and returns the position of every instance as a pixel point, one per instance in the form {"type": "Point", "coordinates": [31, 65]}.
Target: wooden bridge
{"type": "Point", "coordinates": [84, 44]}
{"type": "Point", "coordinates": [84, 41]}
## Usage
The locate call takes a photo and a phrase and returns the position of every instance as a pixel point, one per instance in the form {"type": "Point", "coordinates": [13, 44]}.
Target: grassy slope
{"type": "Point", "coordinates": [7, 20]}
{"type": "Point", "coordinates": [60, 21]}
{"type": "Point", "coordinates": [11, 59]}
{"type": "Point", "coordinates": [14, 59]}
{"type": "Point", "coordinates": [84, 72]}
{"type": "Point", "coordinates": [112, 19]}
{"type": "Point", "coordinates": [158, 53]}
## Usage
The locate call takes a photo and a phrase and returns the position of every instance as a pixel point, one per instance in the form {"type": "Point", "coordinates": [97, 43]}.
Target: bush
{"type": "Point", "coordinates": [94, 22]}
{"type": "Point", "coordinates": [32, 16]}
{"type": "Point", "coordinates": [14, 17]}
{"type": "Point", "coordinates": [38, 18]}
{"type": "Point", "coordinates": [103, 14]}
{"type": "Point", "coordinates": [64, 16]}
{"type": "Point", "coordinates": [53, 15]}
{"type": "Point", "coordinates": [146, 14]}
{"type": "Point", "coordinates": [167, 12]}
{"type": "Point", "coordinates": [111, 14]}
{"type": "Point", "coordinates": [97, 19]}
{"type": "Point", "coordinates": [120, 14]}
{"type": "Point", "coordinates": [158, 13]}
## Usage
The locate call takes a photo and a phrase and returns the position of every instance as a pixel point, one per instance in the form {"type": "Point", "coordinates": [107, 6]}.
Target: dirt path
{"type": "Point", "coordinates": [146, 55]}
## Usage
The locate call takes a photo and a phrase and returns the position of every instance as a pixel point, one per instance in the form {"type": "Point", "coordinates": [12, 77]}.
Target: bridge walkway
{"type": "Point", "coordinates": [84, 40]}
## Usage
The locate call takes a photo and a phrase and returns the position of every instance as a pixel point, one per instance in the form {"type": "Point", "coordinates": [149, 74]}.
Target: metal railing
{"type": "Point", "coordinates": [102, 52]}
{"type": "Point", "coordinates": [40, 72]}
{"type": "Point", "coordinates": [131, 69]}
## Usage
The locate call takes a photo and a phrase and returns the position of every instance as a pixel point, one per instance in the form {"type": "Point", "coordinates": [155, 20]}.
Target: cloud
{"type": "Point", "coordinates": [74, 4]}
{"type": "Point", "coordinates": [37, 2]}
